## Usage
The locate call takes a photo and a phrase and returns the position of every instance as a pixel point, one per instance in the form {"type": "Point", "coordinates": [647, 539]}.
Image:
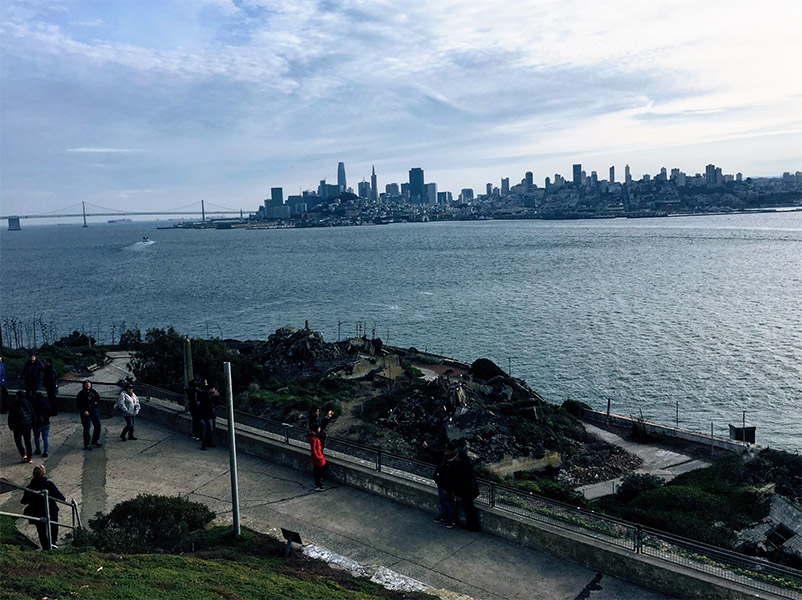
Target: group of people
{"type": "Point", "coordinates": [456, 485]}
{"type": "Point", "coordinates": [26, 416]}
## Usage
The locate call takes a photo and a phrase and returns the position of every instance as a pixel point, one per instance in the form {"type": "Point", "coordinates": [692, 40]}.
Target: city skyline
{"type": "Point", "coordinates": [121, 103]}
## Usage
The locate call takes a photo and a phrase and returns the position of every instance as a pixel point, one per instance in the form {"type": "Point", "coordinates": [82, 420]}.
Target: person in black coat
{"type": "Point", "coordinates": [88, 401]}
{"type": "Point", "coordinates": [207, 400]}
{"type": "Point", "coordinates": [20, 421]}
{"type": "Point", "coordinates": [443, 477]}
{"type": "Point", "coordinates": [41, 424]}
{"type": "Point", "coordinates": [36, 506]}
{"type": "Point", "coordinates": [466, 489]}
{"type": "Point", "coordinates": [32, 373]}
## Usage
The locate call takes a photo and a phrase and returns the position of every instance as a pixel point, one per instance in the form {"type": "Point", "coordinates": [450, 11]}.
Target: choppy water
{"type": "Point", "coordinates": [704, 311]}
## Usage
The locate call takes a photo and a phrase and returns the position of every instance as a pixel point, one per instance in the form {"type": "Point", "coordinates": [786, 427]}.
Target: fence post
{"type": "Point", "coordinates": [379, 460]}
{"type": "Point", "coordinates": [492, 495]}
{"type": "Point", "coordinates": [47, 520]}
{"type": "Point", "coordinates": [286, 434]}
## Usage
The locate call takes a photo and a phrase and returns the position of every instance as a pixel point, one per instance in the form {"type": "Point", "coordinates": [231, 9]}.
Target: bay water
{"type": "Point", "coordinates": [697, 315]}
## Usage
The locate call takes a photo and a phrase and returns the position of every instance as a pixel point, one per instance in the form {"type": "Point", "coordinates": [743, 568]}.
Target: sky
{"type": "Point", "coordinates": [145, 105]}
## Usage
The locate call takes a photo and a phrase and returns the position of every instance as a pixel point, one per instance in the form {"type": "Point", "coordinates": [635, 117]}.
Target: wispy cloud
{"type": "Point", "coordinates": [105, 150]}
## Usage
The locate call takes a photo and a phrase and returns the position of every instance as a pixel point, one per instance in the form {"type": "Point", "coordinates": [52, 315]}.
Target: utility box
{"type": "Point", "coordinates": [743, 433]}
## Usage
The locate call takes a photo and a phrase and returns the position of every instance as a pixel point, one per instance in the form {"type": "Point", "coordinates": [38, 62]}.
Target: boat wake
{"type": "Point", "coordinates": [140, 246]}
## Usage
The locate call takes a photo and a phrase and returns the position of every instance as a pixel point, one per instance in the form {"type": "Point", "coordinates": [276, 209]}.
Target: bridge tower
{"type": "Point", "coordinates": [13, 224]}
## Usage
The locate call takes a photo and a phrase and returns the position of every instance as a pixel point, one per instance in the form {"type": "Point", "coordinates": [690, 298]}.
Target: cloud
{"type": "Point", "coordinates": [104, 150]}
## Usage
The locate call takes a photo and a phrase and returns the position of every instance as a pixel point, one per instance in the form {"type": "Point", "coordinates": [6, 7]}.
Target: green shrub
{"type": "Point", "coordinates": [146, 523]}
{"type": "Point", "coordinates": [633, 484]}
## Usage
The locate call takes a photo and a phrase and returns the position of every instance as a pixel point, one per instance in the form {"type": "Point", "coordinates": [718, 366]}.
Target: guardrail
{"type": "Point", "coordinates": [746, 570]}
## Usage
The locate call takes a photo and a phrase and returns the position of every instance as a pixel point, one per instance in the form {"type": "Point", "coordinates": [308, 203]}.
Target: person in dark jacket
{"type": "Point", "coordinates": [443, 477]}
{"type": "Point", "coordinates": [88, 401]}
{"type": "Point", "coordinates": [32, 373]}
{"type": "Point", "coordinates": [318, 460]}
{"type": "Point", "coordinates": [20, 422]}
{"type": "Point", "coordinates": [36, 506]}
{"type": "Point", "coordinates": [41, 424]}
{"type": "Point", "coordinates": [466, 490]}
{"type": "Point", "coordinates": [207, 400]}
{"type": "Point", "coordinates": [315, 422]}
{"type": "Point", "coordinates": [51, 386]}
{"type": "Point", "coordinates": [193, 392]}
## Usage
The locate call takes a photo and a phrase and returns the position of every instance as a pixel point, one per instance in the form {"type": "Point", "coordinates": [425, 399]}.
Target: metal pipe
{"type": "Point", "coordinates": [232, 449]}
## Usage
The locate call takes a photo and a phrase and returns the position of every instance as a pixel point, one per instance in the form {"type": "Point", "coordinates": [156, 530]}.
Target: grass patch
{"type": "Point", "coordinates": [220, 567]}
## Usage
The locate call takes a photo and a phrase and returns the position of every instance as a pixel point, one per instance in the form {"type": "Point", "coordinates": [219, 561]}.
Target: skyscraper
{"type": "Point", "coordinates": [612, 174]}
{"type": "Point", "coordinates": [627, 175]}
{"type": "Point", "coordinates": [374, 186]}
{"type": "Point", "coordinates": [578, 174]}
{"type": "Point", "coordinates": [505, 186]}
{"type": "Point", "coordinates": [415, 184]}
{"type": "Point", "coordinates": [341, 177]}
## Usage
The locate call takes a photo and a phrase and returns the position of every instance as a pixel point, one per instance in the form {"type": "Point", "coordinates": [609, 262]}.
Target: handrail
{"type": "Point", "coordinates": [46, 519]}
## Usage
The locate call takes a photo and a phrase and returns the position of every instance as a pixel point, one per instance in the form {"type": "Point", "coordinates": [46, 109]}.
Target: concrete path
{"type": "Point", "coordinates": [346, 521]}
{"type": "Point", "coordinates": [657, 461]}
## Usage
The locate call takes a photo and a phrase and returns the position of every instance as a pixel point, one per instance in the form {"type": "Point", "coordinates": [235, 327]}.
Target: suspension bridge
{"type": "Point", "coordinates": [86, 210]}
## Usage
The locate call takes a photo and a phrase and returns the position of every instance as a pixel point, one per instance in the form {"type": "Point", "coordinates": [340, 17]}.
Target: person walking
{"type": "Point", "coordinates": [128, 404]}
{"type": "Point", "coordinates": [318, 460]}
{"type": "Point", "coordinates": [466, 489]}
{"type": "Point", "coordinates": [207, 400]}
{"type": "Point", "coordinates": [41, 424]}
{"type": "Point", "coordinates": [51, 386]}
{"type": "Point", "coordinates": [32, 373]}
{"type": "Point", "coordinates": [20, 422]}
{"type": "Point", "coordinates": [3, 388]}
{"type": "Point", "coordinates": [316, 422]}
{"type": "Point", "coordinates": [88, 401]}
{"type": "Point", "coordinates": [36, 506]}
{"type": "Point", "coordinates": [443, 478]}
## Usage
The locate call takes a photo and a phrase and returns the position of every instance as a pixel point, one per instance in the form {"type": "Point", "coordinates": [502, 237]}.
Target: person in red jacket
{"type": "Point", "coordinates": [318, 460]}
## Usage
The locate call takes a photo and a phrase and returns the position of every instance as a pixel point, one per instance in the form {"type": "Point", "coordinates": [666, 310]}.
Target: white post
{"type": "Point", "coordinates": [232, 449]}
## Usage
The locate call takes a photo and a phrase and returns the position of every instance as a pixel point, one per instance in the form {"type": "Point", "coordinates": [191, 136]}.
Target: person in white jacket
{"type": "Point", "coordinates": [128, 405]}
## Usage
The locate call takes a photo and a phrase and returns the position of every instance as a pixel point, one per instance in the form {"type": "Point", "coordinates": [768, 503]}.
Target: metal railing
{"type": "Point", "coordinates": [746, 570]}
{"type": "Point", "coordinates": [46, 520]}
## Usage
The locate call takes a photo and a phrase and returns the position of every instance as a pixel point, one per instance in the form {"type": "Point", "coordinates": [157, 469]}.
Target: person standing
{"type": "Point", "coordinates": [88, 401]}
{"type": "Point", "coordinates": [41, 424]}
{"type": "Point", "coordinates": [443, 478]}
{"type": "Point", "coordinates": [128, 404]}
{"type": "Point", "coordinates": [207, 400]}
{"type": "Point", "coordinates": [3, 389]}
{"type": "Point", "coordinates": [466, 489]}
{"type": "Point", "coordinates": [20, 421]}
{"type": "Point", "coordinates": [36, 506]}
{"type": "Point", "coordinates": [51, 386]}
{"type": "Point", "coordinates": [318, 460]}
{"type": "Point", "coordinates": [32, 373]}
{"type": "Point", "coordinates": [316, 422]}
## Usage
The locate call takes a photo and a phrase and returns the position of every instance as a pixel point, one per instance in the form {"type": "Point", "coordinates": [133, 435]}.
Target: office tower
{"type": "Point", "coordinates": [505, 186]}
{"type": "Point", "coordinates": [416, 185]}
{"type": "Point", "coordinates": [627, 175]}
{"type": "Point", "coordinates": [739, 177]}
{"type": "Point", "coordinates": [489, 189]}
{"type": "Point", "coordinates": [594, 179]}
{"type": "Point", "coordinates": [444, 198]}
{"type": "Point", "coordinates": [363, 187]}
{"type": "Point", "coordinates": [548, 183]}
{"type": "Point", "coordinates": [277, 196]}
{"type": "Point", "coordinates": [710, 174]}
{"type": "Point", "coordinates": [578, 174]}
{"type": "Point", "coordinates": [612, 174]}
{"type": "Point", "coordinates": [341, 176]}
{"type": "Point", "coordinates": [392, 189]}
{"type": "Point", "coordinates": [530, 179]}
{"type": "Point", "coordinates": [429, 194]}
{"type": "Point", "coordinates": [466, 194]}
{"type": "Point", "coordinates": [374, 186]}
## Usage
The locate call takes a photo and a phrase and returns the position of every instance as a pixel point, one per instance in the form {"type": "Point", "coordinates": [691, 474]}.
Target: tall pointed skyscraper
{"type": "Point", "coordinates": [374, 186]}
{"type": "Point", "coordinates": [341, 177]}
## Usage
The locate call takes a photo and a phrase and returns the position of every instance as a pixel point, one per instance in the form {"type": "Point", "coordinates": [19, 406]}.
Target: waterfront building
{"type": "Point", "coordinates": [341, 177]}
{"type": "Point", "coordinates": [416, 185]}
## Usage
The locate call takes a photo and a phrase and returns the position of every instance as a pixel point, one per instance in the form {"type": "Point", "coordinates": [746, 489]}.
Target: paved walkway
{"type": "Point", "coordinates": [352, 523]}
